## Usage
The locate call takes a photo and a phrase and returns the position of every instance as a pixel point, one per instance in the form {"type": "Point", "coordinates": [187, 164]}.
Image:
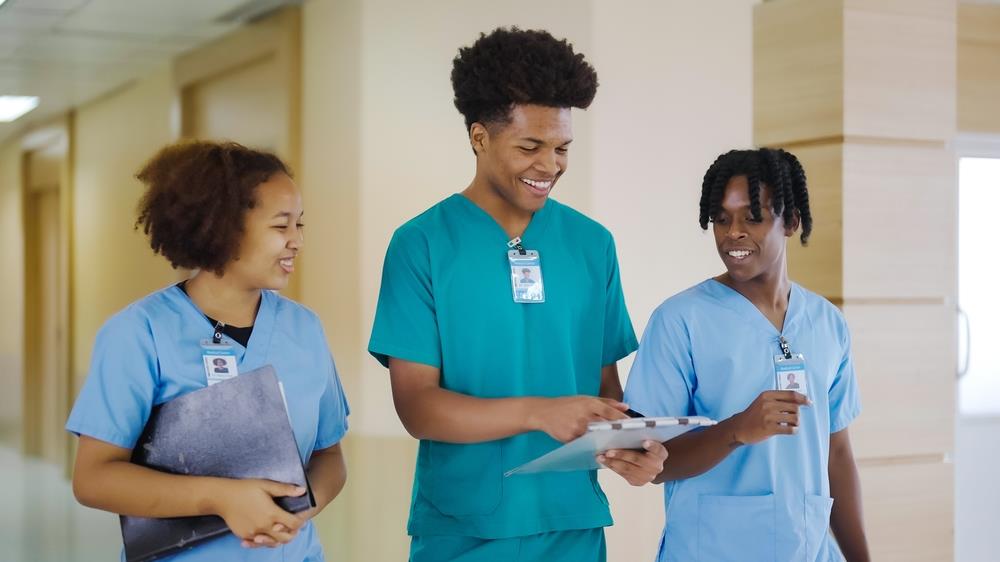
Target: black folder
{"type": "Point", "coordinates": [237, 428]}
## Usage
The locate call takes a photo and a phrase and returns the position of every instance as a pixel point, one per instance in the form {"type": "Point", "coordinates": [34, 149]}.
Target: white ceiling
{"type": "Point", "coordinates": [68, 52]}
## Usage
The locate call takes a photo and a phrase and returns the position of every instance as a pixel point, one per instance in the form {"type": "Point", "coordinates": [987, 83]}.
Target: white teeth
{"type": "Point", "coordinates": [739, 254]}
{"type": "Point", "coordinates": [537, 184]}
{"type": "Point", "coordinates": [287, 262]}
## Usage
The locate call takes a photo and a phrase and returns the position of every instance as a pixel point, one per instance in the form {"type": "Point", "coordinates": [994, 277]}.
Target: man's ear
{"type": "Point", "coordinates": [792, 228]}
{"type": "Point", "coordinates": [479, 138]}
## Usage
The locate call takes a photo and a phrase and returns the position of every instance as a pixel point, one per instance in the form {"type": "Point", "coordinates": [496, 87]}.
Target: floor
{"type": "Point", "coordinates": [41, 522]}
{"type": "Point", "coordinates": [977, 488]}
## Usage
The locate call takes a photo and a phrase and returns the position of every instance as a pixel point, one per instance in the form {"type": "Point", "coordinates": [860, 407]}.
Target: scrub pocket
{"type": "Point", "coordinates": [817, 523]}
{"type": "Point", "coordinates": [465, 479]}
{"type": "Point", "coordinates": [736, 528]}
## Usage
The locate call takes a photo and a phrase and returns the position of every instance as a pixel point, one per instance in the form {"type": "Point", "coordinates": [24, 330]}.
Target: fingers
{"type": "Point", "coordinates": [290, 521]}
{"type": "Point", "coordinates": [789, 396]}
{"type": "Point", "coordinates": [615, 404]}
{"type": "Point", "coordinates": [634, 474]}
{"type": "Point", "coordinates": [786, 419]}
{"type": "Point", "coordinates": [258, 541]}
{"type": "Point", "coordinates": [786, 430]}
{"type": "Point", "coordinates": [607, 410]}
{"type": "Point", "coordinates": [283, 536]}
{"type": "Point", "coordinates": [278, 534]}
{"type": "Point", "coordinates": [280, 489]}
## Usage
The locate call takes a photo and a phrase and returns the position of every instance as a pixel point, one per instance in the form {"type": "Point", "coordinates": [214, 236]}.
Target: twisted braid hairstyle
{"type": "Point", "coordinates": [511, 67]}
{"type": "Point", "coordinates": [778, 169]}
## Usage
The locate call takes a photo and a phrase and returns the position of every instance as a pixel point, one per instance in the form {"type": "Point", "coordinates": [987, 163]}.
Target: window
{"type": "Point", "coordinates": [979, 283]}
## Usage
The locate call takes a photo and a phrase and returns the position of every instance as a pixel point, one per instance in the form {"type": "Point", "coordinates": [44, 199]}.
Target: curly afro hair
{"type": "Point", "coordinates": [197, 197]}
{"type": "Point", "coordinates": [514, 66]}
{"type": "Point", "coordinates": [779, 170]}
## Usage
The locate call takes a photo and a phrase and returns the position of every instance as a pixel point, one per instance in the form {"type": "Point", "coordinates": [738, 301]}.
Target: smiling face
{"type": "Point", "coordinates": [751, 249]}
{"type": "Point", "coordinates": [523, 159]}
{"type": "Point", "coordinates": [272, 236]}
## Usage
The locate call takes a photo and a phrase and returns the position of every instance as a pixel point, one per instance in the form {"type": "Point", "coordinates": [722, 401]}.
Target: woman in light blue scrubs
{"type": "Point", "coordinates": [770, 359]}
{"type": "Point", "coordinates": [234, 215]}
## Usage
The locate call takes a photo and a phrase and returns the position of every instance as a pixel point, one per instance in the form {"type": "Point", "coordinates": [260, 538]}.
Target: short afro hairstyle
{"type": "Point", "coordinates": [779, 170]}
{"type": "Point", "coordinates": [196, 200]}
{"type": "Point", "coordinates": [513, 66]}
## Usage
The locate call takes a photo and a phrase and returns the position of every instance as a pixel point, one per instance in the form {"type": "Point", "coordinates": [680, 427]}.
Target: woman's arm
{"type": "Point", "coordinates": [103, 478]}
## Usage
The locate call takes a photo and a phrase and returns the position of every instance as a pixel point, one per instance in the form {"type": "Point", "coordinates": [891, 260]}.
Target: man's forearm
{"type": "Point", "coordinates": [846, 520]}
{"type": "Point", "coordinates": [442, 415]}
{"type": "Point", "coordinates": [698, 452]}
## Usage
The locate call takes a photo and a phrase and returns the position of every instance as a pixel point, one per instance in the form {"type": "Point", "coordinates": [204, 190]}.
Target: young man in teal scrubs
{"type": "Point", "coordinates": [487, 375]}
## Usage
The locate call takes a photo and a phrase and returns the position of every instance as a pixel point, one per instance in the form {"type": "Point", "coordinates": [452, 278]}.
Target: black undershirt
{"type": "Point", "coordinates": [239, 335]}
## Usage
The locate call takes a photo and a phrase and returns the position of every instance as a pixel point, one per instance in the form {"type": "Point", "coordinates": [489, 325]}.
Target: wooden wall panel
{"type": "Point", "coordinates": [819, 265]}
{"type": "Point", "coordinates": [899, 69]}
{"type": "Point", "coordinates": [900, 217]}
{"type": "Point", "coordinates": [979, 68]}
{"type": "Point", "coordinates": [904, 359]}
{"type": "Point", "coordinates": [798, 71]}
{"type": "Point", "coordinates": [909, 513]}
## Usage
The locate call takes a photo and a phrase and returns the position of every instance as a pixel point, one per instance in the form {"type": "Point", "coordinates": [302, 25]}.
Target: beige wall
{"type": "Point", "coordinates": [112, 263]}
{"type": "Point", "coordinates": [11, 287]}
{"type": "Point", "coordinates": [660, 118]}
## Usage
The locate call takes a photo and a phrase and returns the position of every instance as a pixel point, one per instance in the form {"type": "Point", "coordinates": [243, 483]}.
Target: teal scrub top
{"type": "Point", "coordinates": [708, 351]}
{"type": "Point", "coordinates": [446, 301]}
{"type": "Point", "coordinates": [150, 352]}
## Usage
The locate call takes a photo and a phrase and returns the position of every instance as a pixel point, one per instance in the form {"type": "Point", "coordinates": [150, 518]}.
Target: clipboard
{"type": "Point", "coordinates": [237, 428]}
{"type": "Point", "coordinates": [581, 453]}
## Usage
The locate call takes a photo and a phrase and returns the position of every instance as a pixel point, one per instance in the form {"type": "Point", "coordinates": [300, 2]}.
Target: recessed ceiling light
{"type": "Point", "coordinates": [12, 107]}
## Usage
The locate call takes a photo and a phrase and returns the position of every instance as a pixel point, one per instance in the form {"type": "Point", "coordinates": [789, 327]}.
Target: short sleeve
{"type": "Point", "coordinates": [333, 410]}
{"type": "Point", "coordinates": [662, 379]}
{"type": "Point", "coordinates": [117, 396]}
{"type": "Point", "coordinates": [405, 319]}
{"type": "Point", "coordinates": [845, 400]}
{"type": "Point", "coordinates": [619, 335]}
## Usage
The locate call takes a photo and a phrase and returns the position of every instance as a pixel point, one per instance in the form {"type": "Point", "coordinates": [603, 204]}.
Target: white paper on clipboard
{"type": "Point", "coordinates": [581, 453]}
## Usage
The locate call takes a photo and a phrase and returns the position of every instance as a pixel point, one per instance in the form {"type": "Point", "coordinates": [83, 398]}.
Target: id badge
{"type": "Point", "coordinates": [219, 360]}
{"type": "Point", "coordinates": [790, 373]}
{"type": "Point", "coordinates": [526, 276]}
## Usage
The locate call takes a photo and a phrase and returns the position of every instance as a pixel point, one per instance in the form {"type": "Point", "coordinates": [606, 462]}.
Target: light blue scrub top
{"type": "Point", "coordinates": [446, 301]}
{"type": "Point", "coordinates": [150, 352]}
{"type": "Point", "coordinates": [709, 351]}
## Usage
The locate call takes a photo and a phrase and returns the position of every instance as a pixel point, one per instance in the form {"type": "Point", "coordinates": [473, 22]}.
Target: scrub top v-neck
{"type": "Point", "coordinates": [150, 352]}
{"type": "Point", "coordinates": [446, 301]}
{"type": "Point", "coordinates": [709, 351]}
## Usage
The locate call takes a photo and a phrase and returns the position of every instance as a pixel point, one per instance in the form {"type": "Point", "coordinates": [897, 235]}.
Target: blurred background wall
{"type": "Point", "coordinates": [875, 95]}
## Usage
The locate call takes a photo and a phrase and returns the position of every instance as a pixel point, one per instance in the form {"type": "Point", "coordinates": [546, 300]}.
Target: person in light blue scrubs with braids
{"type": "Point", "coordinates": [234, 215]}
{"type": "Point", "coordinates": [770, 359]}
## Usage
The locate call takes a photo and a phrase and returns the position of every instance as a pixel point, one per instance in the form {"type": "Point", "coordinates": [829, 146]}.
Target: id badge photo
{"type": "Point", "coordinates": [790, 373]}
{"type": "Point", "coordinates": [219, 361]}
{"type": "Point", "coordinates": [526, 276]}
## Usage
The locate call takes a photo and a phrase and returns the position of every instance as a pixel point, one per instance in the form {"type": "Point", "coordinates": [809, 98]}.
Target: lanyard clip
{"type": "Point", "coordinates": [515, 244]}
{"type": "Point", "coordinates": [784, 347]}
{"type": "Point", "coordinates": [217, 336]}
